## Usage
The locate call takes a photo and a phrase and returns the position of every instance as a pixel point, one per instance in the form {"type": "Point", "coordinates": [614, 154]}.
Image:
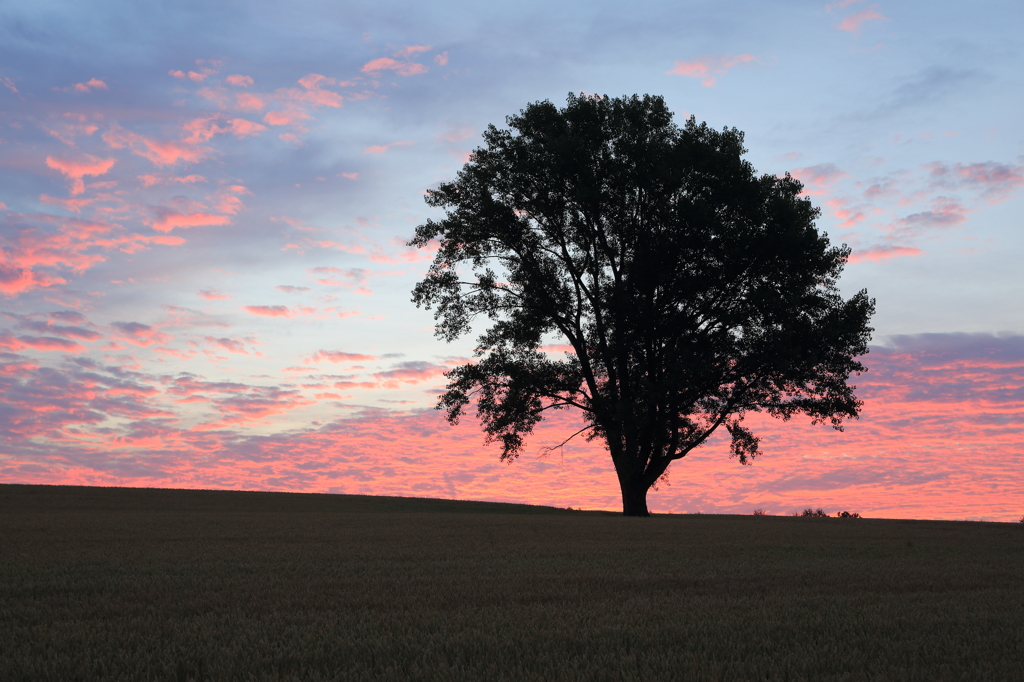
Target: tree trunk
{"type": "Point", "coordinates": [634, 498]}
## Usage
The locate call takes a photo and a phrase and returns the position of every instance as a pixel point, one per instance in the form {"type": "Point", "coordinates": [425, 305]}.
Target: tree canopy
{"type": "Point", "coordinates": [691, 290]}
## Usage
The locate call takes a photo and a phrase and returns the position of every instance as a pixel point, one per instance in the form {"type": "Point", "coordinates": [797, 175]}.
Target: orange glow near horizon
{"type": "Point", "coordinates": [940, 437]}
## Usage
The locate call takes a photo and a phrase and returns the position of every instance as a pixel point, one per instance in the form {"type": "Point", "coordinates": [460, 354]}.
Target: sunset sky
{"type": "Point", "coordinates": [204, 206]}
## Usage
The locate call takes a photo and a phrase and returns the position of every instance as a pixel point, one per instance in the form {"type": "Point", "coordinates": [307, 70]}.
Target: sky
{"type": "Point", "coordinates": [204, 207]}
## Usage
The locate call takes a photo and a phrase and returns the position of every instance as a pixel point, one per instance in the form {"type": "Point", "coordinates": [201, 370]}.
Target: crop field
{"type": "Point", "coordinates": [128, 584]}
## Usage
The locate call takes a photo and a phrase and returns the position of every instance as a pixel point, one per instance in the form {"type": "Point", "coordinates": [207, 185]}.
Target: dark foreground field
{"type": "Point", "coordinates": [186, 585]}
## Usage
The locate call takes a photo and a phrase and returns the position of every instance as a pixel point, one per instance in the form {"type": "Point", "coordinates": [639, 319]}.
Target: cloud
{"type": "Point", "coordinates": [313, 93]}
{"type": "Point", "coordinates": [71, 125]}
{"type": "Point", "coordinates": [152, 179]}
{"type": "Point", "coordinates": [230, 345]}
{"type": "Point", "coordinates": [72, 205]}
{"type": "Point", "coordinates": [853, 22]}
{"type": "Point", "coordinates": [708, 67]}
{"type": "Point", "coordinates": [239, 81]}
{"type": "Point", "coordinates": [381, 148]}
{"type": "Point", "coordinates": [841, 4]}
{"type": "Point", "coordinates": [442, 59]}
{"type": "Point", "coordinates": [400, 62]}
{"type": "Point", "coordinates": [203, 129]}
{"type": "Point", "coordinates": [289, 289]}
{"type": "Point", "coordinates": [161, 154]}
{"type": "Point", "coordinates": [139, 334]}
{"type": "Point", "coordinates": [287, 117]}
{"type": "Point", "coordinates": [349, 278]}
{"type": "Point", "coordinates": [42, 343]}
{"type": "Point", "coordinates": [29, 242]}
{"type": "Point", "coordinates": [178, 316]}
{"type": "Point", "coordinates": [945, 214]}
{"type": "Point", "coordinates": [248, 101]}
{"type": "Point", "coordinates": [819, 176]}
{"type": "Point", "coordinates": [995, 181]}
{"type": "Point", "coordinates": [167, 219]}
{"type": "Point", "coordinates": [212, 294]}
{"type": "Point", "coordinates": [337, 356]}
{"type": "Point", "coordinates": [269, 310]}
{"type": "Point", "coordinates": [76, 169]}
{"type": "Point", "coordinates": [412, 372]}
{"type": "Point", "coordinates": [90, 85]}
{"type": "Point", "coordinates": [880, 253]}
{"type": "Point", "coordinates": [51, 326]}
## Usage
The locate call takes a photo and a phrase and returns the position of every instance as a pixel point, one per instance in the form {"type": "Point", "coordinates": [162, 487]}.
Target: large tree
{"type": "Point", "coordinates": [691, 290]}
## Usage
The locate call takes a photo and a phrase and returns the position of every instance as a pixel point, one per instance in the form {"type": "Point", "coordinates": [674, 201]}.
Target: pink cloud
{"type": "Point", "coordinates": [248, 101]}
{"type": "Point", "coordinates": [201, 75]}
{"type": "Point", "coordinates": [938, 412]}
{"type": "Point", "coordinates": [156, 179]}
{"type": "Point", "coordinates": [997, 181]}
{"type": "Point", "coordinates": [389, 64]}
{"type": "Point", "coordinates": [841, 4]}
{"type": "Point", "coordinates": [202, 129]}
{"type": "Point", "coordinates": [212, 294]}
{"type": "Point", "coordinates": [945, 213]}
{"type": "Point", "coordinates": [442, 59]}
{"type": "Point", "coordinates": [287, 117]}
{"type": "Point", "coordinates": [880, 253]}
{"type": "Point", "coordinates": [74, 205]}
{"type": "Point", "coordinates": [160, 153]}
{"type": "Point", "coordinates": [38, 343]}
{"type": "Point", "coordinates": [709, 66]}
{"type": "Point", "coordinates": [337, 356]}
{"type": "Point", "coordinates": [76, 169]}
{"type": "Point", "coordinates": [819, 176]}
{"type": "Point", "coordinates": [350, 176]}
{"type": "Point", "coordinates": [89, 85]}
{"type": "Point", "coordinates": [139, 334]}
{"type": "Point", "coordinates": [312, 93]}
{"type": "Point", "coordinates": [240, 127]}
{"type": "Point", "coordinates": [239, 81]}
{"type": "Point", "coordinates": [381, 148]}
{"type": "Point", "coordinates": [350, 278]}
{"type": "Point", "coordinates": [269, 310]}
{"type": "Point", "coordinates": [558, 348]}
{"type": "Point", "coordinates": [403, 66]}
{"type": "Point", "coordinates": [230, 345]}
{"type": "Point", "coordinates": [74, 125]}
{"type": "Point", "coordinates": [228, 202]}
{"type": "Point", "coordinates": [853, 22]}
{"type": "Point", "coordinates": [850, 215]}
{"type": "Point", "coordinates": [167, 219]}
{"type": "Point", "coordinates": [175, 73]}
{"type": "Point", "coordinates": [8, 83]}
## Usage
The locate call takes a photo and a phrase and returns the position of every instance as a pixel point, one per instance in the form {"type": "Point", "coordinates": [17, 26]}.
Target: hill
{"type": "Point", "coordinates": [122, 584]}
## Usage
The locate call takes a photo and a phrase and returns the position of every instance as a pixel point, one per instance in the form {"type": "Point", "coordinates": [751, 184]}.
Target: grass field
{"type": "Point", "coordinates": [125, 584]}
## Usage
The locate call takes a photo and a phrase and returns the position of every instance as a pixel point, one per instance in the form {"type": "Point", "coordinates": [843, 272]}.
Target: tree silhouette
{"type": "Point", "coordinates": [691, 290]}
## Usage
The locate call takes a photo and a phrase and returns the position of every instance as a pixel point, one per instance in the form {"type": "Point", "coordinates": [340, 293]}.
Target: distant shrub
{"type": "Point", "coordinates": [762, 512]}
{"type": "Point", "coordinates": [1022, 519]}
{"type": "Point", "coordinates": [847, 515]}
{"type": "Point", "coordinates": [814, 512]}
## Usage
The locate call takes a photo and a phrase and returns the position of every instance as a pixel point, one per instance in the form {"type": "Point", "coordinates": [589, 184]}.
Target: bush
{"type": "Point", "coordinates": [847, 515]}
{"type": "Point", "coordinates": [762, 512]}
{"type": "Point", "coordinates": [814, 512]}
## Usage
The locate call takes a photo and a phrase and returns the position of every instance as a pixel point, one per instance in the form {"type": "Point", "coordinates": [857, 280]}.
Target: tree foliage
{"type": "Point", "coordinates": [691, 290]}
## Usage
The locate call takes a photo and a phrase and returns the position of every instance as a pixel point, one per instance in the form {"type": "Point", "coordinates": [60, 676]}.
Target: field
{"type": "Point", "coordinates": [126, 584]}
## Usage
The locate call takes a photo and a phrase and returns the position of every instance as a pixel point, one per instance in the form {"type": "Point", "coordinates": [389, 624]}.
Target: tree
{"type": "Point", "coordinates": [692, 290]}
